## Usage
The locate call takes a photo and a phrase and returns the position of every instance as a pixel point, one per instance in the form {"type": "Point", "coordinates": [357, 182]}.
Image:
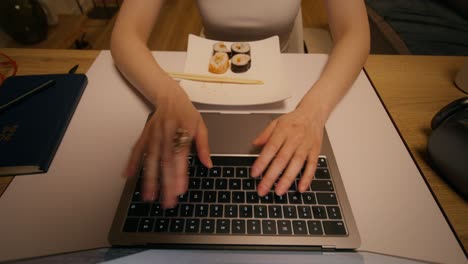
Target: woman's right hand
{"type": "Point", "coordinates": [165, 165]}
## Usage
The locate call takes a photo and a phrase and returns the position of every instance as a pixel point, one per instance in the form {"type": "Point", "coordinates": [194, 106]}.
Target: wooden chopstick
{"type": "Point", "coordinates": [208, 78]}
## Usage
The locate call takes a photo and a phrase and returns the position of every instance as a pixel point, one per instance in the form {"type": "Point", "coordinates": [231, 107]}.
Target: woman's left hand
{"type": "Point", "coordinates": [289, 142]}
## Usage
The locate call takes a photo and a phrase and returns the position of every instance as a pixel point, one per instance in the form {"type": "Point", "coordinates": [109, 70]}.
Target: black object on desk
{"type": "Point", "coordinates": [448, 144]}
{"type": "Point", "coordinates": [32, 128]}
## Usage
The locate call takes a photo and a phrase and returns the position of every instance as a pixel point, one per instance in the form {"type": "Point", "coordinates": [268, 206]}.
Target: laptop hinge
{"type": "Point", "coordinates": [329, 248]}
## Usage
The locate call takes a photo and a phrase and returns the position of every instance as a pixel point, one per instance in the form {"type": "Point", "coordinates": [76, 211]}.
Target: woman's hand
{"type": "Point", "coordinates": [288, 142]}
{"type": "Point", "coordinates": [165, 163]}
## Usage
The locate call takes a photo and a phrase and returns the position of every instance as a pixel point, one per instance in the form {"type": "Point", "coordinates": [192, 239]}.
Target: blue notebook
{"type": "Point", "coordinates": [31, 129]}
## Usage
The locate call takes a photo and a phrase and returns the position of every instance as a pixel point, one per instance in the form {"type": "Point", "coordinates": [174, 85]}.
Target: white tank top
{"type": "Point", "coordinates": [249, 20]}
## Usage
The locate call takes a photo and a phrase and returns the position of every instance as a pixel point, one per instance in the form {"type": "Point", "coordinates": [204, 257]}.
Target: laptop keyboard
{"type": "Point", "coordinates": [223, 200]}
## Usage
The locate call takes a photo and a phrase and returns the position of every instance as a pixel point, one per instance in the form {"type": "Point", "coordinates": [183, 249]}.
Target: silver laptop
{"type": "Point", "coordinates": [222, 210]}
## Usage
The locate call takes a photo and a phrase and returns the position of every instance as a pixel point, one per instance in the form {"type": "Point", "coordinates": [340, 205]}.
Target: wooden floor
{"type": "Point", "coordinates": [171, 32]}
{"type": "Point", "coordinates": [177, 19]}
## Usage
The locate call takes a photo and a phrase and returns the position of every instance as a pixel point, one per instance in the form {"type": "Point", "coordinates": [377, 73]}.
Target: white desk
{"type": "Point", "coordinates": [74, 203]}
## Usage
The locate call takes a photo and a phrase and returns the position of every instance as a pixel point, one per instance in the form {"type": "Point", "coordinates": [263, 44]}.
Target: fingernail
{"type": "Point", "coordinates": [262, 190]}
{"type": "Point", "coordinates": [170, 205]}
{"type": "Point", "coordinates": [148, 197]}
{"type": "Point", "coordinates": [302, 188]}
{"type": "Point", "coordinates": [280, 190]}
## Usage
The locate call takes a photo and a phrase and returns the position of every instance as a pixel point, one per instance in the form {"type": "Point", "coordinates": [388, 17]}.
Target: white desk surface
{"type": "Point", "coordinates": [72, 206]}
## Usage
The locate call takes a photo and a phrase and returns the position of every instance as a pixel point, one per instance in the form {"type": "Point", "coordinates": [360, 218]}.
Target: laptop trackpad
{"type": "Point", "coordinates": [234, 133]}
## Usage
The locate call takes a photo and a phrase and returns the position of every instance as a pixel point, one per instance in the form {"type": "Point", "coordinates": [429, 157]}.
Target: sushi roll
{"type": "Point", "coordinates": [221, 47]}
{"type": "Point", "coordinates": [240, 63]}
{"type": "Point", "coordinates": [240, 48]}
{"type": "Point", "coordinates": [219, 63]}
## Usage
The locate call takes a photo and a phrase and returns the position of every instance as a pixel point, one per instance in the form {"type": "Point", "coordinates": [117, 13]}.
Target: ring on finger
{"type": "Point", "coordinates": [181, 140]}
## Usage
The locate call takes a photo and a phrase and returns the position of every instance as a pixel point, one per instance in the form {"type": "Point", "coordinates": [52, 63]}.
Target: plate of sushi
{"type": "Point", "coordinates": [254, 60]}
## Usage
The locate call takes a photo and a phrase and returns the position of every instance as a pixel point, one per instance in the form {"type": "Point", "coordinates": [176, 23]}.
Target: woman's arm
{"type": "Point", "coordinates": [173, 109]}
{"type": "Point", "coordinates": [351, 38]}
{"type": "Point", "coordinates": [296, 137]}
{"type": "Point", "coordinates": [129, 49]}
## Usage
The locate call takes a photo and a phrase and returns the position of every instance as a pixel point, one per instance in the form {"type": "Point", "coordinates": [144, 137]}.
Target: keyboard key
{"type": "Point", "coordinates": [238, 226]}
{"type": "Point", "coordinates": [295, 197]}
{"type": "Point", "coordinates": [289, 211]}
{"type": "Point", "coordinates": [275, 211]}
{"type": "Point", "coordinates": [201, 210]}
{"type": "Point", "coordinates": [248, 184]}
{"type": "Point", "coordinates": [186, 210]}
{"type": "Point", "coordinates": [196, 161]}
{"type": "Point", "coordinates": [201, 171]}
{"type": "Point", "coordinates": [284, 227]}
{"type": "Point", "coordinates": [230, 211]}
{"type": "Point", "coordinates": [228, 172]}
{"type": "Point", "coordinates": [221, 184]}
{"type": "Point", "coordinates": [334, 227]}
{"type": "Point", "coordinates": [223, 226]}
{"type": "Point", "coordinates": [131, 224]}
{"type": "Point", "coordinates": [216, 210]}
{"type": "Point", "coordinates": [177, 225]}
{"type": "Point", "coordinates": [192, 226]}
{"type": "Point", "coordinates": [172, 212]}
{"type": "Point", "coordinates": [207, 184]}
{"type": "Point", "coordinates": [252, 197]}
{"type": "Point", "coordinates": [269, 227]}
{"type": "Point", "coordinates": [162, 225]}
{"type": "Point", "coordinates": [327, 198]}
{"type": "Point", "coordinates": [195, 196]}
{"type": "Point", "coordinates": [304, 212]}
{"type": "Point", "coordinates": [183, 198]}
{"type": "Point", "coordinates": [242, 172]}
{"type": "Point", "coordinates": [215, 172]}
{"type": "Point", "coordinates": [322, 173]}
{"type": "Point", "coordinates": [334, 212]}
{"type": "Point", "coordinates": [191, 171]}
{"type": "Point", "coordinates": [238, 197]}
{"type": "Point", "coordinates": [209, 197]}
{"type": "Point", "coordinates": [139, 209]}
{"type": "Point", "coordinates": [309, 198]}
{"type": "Point", "coordinates": [208, 226]}
{"type": "Point", "coordinates": [253, 227]}
{"type": "Point", "coordinates": [235, 184]}
{"type": "Point", "coordinates": [319, 212]}
{"type": "Point", "coordinates": [156, 210]}
{"type": "Point", "coordinates": [321, 186]}
{"type": "Point", "coordinates": [322, 162]}
{"type": "Point", "coordinates": [267, 199]}
{"type": "Point", "coordinates": [190, 160]}
{"type": "Point", "coordinates": [136, 196]}
{"type": "Point", "coordinates": [283, 199]}
{"type": "Point", "coordinates": [194, 183]}
{"type": "Point", "coordinates": [146, 225]}
{"type": "Point", "coordinates": [224, 197]}
{"type": "Point", "coordinates": [299, 227]}
{"type": "Point", "coordinates": [315, 227]}
{"type": "Point", "coordinates": [260, 211]}
{"type": "Point", "coordinates": [245, 211]}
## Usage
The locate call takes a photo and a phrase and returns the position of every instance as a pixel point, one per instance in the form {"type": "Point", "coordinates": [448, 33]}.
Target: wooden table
{"type": "Point", "coordinates": [412, 88]}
